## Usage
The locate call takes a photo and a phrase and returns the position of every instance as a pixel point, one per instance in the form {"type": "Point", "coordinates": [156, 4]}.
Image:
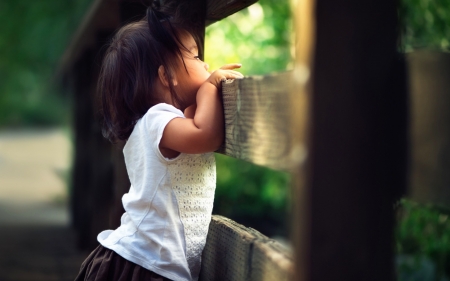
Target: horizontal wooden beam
{"type": "Point", "coordinates": [106, 15]}
{"type": "Point", "coordinates": [235, 252]}
{"type": "Point", "coordinates": [219, 9]}
{"type": "Point", "coordinates": [257, 120]}
{"type": "Point", "coordinates": [429, 85]}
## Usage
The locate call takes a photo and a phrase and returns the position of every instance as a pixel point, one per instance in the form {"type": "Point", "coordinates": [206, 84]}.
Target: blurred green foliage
{"type": "Point", "coordinates": [33, 36]}
{"type": "Point", "coordinates": [252, 195]}
{"type": "Point", "coordinates": [422, 242]}
{"type": "Point", "coordinates": [425, 24]}
{"type": "Point", "coordinates": [258, 37]}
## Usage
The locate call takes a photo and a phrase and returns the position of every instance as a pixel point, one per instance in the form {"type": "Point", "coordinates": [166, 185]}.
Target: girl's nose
{"type": "Point", "coordinates": [206, 66]}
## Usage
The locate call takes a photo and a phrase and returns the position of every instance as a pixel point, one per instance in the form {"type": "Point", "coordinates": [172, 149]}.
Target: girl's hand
{"type": "Point", "coordinates": [223, 73]}
{"type": "Point", "coordinates": [203, 131]}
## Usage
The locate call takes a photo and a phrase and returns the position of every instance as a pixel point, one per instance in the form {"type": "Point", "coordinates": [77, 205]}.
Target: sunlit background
{"type": "Point", "coordinates": [36, 134]}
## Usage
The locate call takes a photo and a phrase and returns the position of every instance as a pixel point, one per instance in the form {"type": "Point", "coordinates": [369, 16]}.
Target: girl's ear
{"type": "Point", "coordinates": [163, 77]}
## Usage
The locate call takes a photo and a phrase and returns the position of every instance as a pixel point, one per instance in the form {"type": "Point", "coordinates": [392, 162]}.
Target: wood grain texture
{"type": "Point", "coordinates": [257, 120]}
{"type": "Point", "coordinates": [234, 252]}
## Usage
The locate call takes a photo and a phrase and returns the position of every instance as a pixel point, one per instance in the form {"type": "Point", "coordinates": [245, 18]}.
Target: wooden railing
{"type": "Point", "coordinates": [257, 120]}
{"type": "Point", "coordinates": [235, 252]}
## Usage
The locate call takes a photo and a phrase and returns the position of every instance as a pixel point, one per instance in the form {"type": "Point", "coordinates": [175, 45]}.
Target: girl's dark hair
{"type": "Point", "coordinates": [130, 69]}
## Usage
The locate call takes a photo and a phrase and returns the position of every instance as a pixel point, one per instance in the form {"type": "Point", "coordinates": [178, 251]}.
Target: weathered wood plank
{"type": "Point", "coordinates": [106, 14]}
{"type": "Point", "coordinates": [220, 9]}
{"type": "Point", "coordinates": [257, 120]}
{"type": "Point", "coordinates": [429, 85]}
{"type": "Point", "coordinates": [235, 252]}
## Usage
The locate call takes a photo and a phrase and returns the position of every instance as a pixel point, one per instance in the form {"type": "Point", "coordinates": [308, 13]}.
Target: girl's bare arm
{"type": "Point", "coordinates": [190, 111]}
{"type": "Point", "coordinates": [204, 132]}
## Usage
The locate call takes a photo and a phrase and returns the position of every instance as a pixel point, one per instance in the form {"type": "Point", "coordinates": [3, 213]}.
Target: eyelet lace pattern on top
{"type": "Point", "coordinates": [193, 178]}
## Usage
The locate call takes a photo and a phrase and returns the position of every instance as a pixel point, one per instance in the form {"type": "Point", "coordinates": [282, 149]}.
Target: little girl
{"type": "Point", "coordinates": [158, 96]}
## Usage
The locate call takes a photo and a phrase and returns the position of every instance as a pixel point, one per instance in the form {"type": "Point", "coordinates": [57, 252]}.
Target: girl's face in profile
{"type": "Point", "coordinates": [189, 82]}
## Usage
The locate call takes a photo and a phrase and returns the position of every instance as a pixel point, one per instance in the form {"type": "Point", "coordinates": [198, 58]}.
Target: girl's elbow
{"type": "Point", "coordinates": [214, 141]}
{"type": "Point", "coordinates": [218, 141]}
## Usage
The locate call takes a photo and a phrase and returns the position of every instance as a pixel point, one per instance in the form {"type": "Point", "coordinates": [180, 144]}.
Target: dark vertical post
{"type": "Point", "coordinates": [81, 175]}
{"type": "Point", "coordinates": [357, 141]}
{"type": "Point", "coordinates": [101, 162]}
{"type": "Point", "coordinates": [92, 172]}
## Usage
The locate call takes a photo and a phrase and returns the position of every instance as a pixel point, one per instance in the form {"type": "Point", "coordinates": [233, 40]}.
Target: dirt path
{"type": "Point", "coordinates": [36, 242]}
{"type": "Point", "coordinates": [33, 165]}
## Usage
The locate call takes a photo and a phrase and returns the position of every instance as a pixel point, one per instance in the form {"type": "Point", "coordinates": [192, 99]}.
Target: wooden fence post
{"type": "Point", "coordinates": [356, 142]}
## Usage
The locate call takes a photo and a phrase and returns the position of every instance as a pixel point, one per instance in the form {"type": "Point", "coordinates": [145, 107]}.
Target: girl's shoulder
{"type": "Point", "coordinates": [159, 115]}
{"type": "Point", "coordinates": [148, 131]}
{"type": "Point", "coordinates": [164, 108]}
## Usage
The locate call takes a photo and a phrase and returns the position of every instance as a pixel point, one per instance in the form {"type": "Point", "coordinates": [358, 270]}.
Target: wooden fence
{"type": "Point", "coordinates": [356, 123]}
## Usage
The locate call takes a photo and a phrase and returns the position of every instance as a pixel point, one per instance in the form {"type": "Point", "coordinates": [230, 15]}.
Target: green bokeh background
{"type": "Point", "coordinates": [34, 34]}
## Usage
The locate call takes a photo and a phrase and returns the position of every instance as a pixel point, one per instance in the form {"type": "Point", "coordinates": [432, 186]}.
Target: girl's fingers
{"type": "Point", "coordinates": [231, 66]}
{"type": "Point", "coordinates": [231, 75]}
{"type": "Point", "coordinates": [224, 74]}
{"type": "Point", "coordinates": [234, 74]}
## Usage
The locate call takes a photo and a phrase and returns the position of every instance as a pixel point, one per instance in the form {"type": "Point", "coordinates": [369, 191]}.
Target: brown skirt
{"type": "Point", "coordinates": [104, 264]}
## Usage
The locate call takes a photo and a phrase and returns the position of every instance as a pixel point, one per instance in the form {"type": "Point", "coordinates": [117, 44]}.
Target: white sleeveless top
{"type": "Point", "coordinates": [169, 204]}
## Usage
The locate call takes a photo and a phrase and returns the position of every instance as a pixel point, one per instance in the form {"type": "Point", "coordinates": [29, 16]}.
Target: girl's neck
{"type": "Point", "coordinates": [166, 96]}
